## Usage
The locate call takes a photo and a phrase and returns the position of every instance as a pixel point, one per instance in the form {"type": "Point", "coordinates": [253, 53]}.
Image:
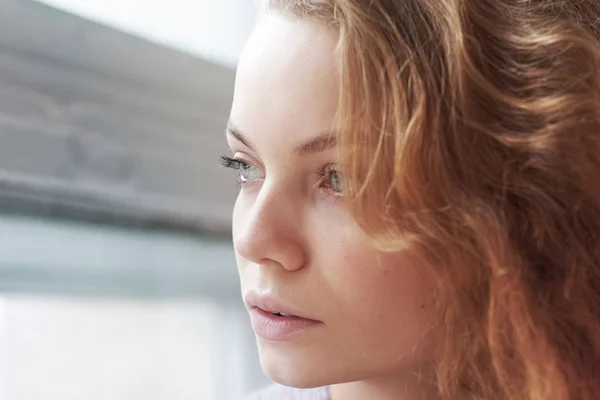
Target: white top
{"type": "Point", "coordinates": [279, 392]}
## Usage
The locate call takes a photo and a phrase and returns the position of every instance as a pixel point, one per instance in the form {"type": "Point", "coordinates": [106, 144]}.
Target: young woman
{"type": "Point", "coordinates": [419, 212]}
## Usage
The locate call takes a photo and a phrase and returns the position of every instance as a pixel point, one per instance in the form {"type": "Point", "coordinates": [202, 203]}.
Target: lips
{"type": "Point", "coordinates": [276, 321]}
{"type": "Point", "coordinates": [273, 305]}
{"type": "Point", "coordinates": [282, 314]}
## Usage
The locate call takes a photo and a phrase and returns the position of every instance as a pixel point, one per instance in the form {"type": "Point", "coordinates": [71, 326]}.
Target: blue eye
{"type": "Point", "coordinates": [247, 172]}
{"type": "Point", "coordinates": [335, 182]}
{"type": "Point", "coordinates": [332, 179]}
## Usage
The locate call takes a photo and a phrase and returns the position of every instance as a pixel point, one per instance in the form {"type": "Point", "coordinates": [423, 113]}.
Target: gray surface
{"type": "Point", "coordinates": [98, 124]}
{"type": "Point", "coordinates": [56, 257]}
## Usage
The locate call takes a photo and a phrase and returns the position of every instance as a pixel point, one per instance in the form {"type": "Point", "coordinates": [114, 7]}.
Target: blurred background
{"type": "Point", "coordinates": [117, 275]}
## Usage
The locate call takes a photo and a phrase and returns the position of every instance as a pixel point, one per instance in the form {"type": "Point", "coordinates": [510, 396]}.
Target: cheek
{"type": "Point", "coordinates": [368, 282]}
{"type": "Point", "coordinates": [237, 222]}
{"type": "Point", "coordinates": [379, 284]}
{"type": "Point", "coordinates": [238, 212]}
{"type": "Point", "coordinates": [384, 303]}
{"type": "Point", "coordinates": [240, 218]}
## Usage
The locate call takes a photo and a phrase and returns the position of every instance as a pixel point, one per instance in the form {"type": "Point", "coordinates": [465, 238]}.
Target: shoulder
{"type": "Point", "coordinates": [279, 392]}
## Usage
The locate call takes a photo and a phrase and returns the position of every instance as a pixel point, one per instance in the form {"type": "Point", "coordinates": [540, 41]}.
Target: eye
{"type": "Point", "coordinates": [247, 171]}
{"type": "Point", "coordinates": [332, 179]}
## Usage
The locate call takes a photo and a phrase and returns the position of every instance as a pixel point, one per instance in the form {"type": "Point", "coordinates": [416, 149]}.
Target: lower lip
{"type": "Point", "coordinates": [272, 327]}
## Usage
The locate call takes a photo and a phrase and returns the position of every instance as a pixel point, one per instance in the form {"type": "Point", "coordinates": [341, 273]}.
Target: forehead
{"type": "Point", "coordinates": [287, 79]}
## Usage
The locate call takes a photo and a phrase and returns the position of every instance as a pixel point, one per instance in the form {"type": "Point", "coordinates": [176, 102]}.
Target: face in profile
{"type": "Point", "coordinates": [325, 305]}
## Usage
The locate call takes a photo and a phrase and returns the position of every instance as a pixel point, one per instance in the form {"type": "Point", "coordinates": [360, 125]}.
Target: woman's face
{"type": "Point", "coordinates": [298, 250]}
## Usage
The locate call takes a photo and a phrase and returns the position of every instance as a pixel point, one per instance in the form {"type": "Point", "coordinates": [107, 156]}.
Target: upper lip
{"type": "Point", "coordinates": [272, 304]}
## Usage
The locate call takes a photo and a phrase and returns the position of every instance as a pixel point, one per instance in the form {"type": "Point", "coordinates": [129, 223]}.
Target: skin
{"type": "Point", "coordinates": [295, 240]}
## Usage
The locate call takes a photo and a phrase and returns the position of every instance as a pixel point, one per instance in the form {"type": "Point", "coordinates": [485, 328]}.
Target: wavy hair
{"type": "Point", "coordinates": [470, 138]}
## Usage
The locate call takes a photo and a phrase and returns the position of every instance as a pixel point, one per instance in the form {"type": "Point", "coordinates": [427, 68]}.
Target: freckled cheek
{"type": "Point", "coordinates": [380, 300]}
{"type": "Point", "coordinates": [379, 291]}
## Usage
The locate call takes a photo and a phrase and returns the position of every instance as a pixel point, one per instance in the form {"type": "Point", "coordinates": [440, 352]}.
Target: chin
{"type": "Point", "coordinates": [294, 366]}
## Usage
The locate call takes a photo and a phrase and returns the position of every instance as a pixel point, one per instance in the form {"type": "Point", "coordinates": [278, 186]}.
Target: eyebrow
{"type": "Point", "coordinates": [233, 131]}
{"type": "Point", "coordinates": [322, 142]}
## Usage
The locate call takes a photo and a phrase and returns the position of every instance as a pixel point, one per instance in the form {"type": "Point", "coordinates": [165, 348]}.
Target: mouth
{"type": "Point", "coordinates": [274, 306]}
{"type": "Point", "coordinates": [282, 314]}
{"type": "Point", "coordinates": [274, 320]}
{"type": "Point", "coordinates": [279, 326]}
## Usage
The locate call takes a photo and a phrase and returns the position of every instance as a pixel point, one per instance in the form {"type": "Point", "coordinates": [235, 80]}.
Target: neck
{"type": "Point", "coordinates": [405, 386]}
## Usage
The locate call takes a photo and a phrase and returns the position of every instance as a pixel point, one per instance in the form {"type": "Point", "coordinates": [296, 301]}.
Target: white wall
{"type": "Point", "coordinates": [112, 333]}
{"type": "Point", "coordinates": [56, 348]}
{"type": "Point", "coordinates": [58, 342]}
{"type": "Point", "coordinates": [212, 29]}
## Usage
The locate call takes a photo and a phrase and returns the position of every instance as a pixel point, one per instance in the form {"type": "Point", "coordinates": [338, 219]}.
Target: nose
{"type": "Point", "coordinates": [267, 229]}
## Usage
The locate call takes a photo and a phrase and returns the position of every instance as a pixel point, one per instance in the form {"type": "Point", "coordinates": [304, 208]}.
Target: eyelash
{"type": "Point", "coordinates": [322, 173]}
{"type": "Point", "coordinates": [232, 163]}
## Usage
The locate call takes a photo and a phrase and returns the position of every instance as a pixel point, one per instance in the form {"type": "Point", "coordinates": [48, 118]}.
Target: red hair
{"type": "Point", "coordinates": [470, 138]}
